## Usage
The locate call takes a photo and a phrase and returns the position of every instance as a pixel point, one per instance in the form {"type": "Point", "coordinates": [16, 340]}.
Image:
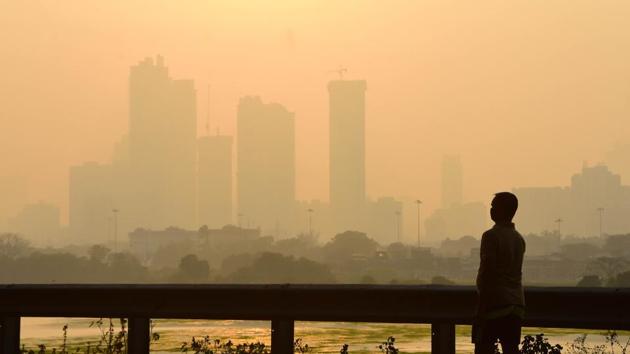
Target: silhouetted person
{"type": "Point", "coordinates": [501, 302]}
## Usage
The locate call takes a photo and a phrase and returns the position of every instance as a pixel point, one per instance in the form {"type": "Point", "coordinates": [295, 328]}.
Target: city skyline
{"type": "Point", "coordinates": [442, 80]}
{"type": "Point", "coordinates": [140, 157]}
{"type": "Point", "coordinates": [265, 171]}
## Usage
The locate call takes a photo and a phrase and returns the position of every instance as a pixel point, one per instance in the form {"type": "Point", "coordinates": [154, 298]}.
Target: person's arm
{"type": "Point", "coordinates": [488, 261]}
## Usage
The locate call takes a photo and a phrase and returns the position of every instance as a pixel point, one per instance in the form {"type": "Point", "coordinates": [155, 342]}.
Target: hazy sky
{"type": "Point", "coordinates": [524, 91]}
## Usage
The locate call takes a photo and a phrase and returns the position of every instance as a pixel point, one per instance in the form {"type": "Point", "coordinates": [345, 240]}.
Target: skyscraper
{"type": "Point", "coordinates": [162, 148]}
{"type": "Point", "coordinates": [39, 223]}
{"type": "Point", "coordinates": [266, 165]}
{"type": "Point", "coordinates": [214, 181]}
{"type": "Point", "coordinates": [91, 202]}
{"type": "Point", "coordinates": [452, 181]}
{"type": "Point", "coordinates": [347, 153]}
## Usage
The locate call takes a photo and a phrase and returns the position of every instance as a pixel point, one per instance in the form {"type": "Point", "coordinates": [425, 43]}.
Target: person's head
{"type": "Point", "coordinates": [504, 205]}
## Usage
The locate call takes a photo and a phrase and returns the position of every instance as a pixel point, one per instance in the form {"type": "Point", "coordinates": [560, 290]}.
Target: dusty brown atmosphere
{"type": "Point", "coordinates": [523, 91]}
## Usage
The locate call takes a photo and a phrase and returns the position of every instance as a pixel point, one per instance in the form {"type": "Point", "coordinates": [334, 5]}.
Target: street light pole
{"type": "Point", "coordinates": [240, 220]}
{"type": "Point", "coordinates": [115, 211]}
{"type": "Point", "coordinates": [559, 222]}
{"type": "Point", "coordinates": [418, 203]}
{"type": "Point", "coordinates": [398, 225]}
{"type": "Point", "coordinates": [109, 229]}
{"type": "Point", "coordinates": [310, 221]}
{"type": "Point", "coordinates": [601, 217]}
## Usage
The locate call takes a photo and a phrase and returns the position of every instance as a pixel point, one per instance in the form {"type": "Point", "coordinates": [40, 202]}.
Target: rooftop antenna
{"type": "Point", "coordinates": [208, 113]}
{"type": "Point", "coordinates": [340, 71]}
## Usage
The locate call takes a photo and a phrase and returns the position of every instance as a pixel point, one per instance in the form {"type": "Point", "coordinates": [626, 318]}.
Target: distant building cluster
{"type": "Point", "coordinates": [40, 221]}
{"type": "Point", "coordinates": [467, 219]}
{"type": "Point", "coordinates": [163, 176]}
{"type": "Point", "coordinates": [594, 204]}
{"type": "Point", "coordinates": [455, 218]}
{"type": "Point", "coordinates": [152, 181]}
{"type": "Point", "coordinates": [145, 243]}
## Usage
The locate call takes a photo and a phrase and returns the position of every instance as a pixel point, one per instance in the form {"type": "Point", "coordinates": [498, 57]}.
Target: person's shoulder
{"type": "Point", "coordinates": [490, 233]}
{"type": "Point", "coordinates": [519, 235]}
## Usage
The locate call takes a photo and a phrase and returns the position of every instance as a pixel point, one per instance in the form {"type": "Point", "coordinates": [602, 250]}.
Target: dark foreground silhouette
{"type": "Point", "coordinates": [501, 300]}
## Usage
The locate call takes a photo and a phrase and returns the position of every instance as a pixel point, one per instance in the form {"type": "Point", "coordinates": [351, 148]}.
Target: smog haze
{"type": "Point", "coordinates": [523, 91]}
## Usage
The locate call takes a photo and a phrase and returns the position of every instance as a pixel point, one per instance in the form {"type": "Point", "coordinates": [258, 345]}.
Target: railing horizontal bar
{"type": "Point", "coordinates": [552, 307]}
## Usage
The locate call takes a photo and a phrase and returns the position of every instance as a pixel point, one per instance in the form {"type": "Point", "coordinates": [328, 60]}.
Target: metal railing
{"type": "Point", "coordinates": [442, 307]}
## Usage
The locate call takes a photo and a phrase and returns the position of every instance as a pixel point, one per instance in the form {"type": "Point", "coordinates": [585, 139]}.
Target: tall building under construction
{"type": "Point", "coordinates": [347, 153]}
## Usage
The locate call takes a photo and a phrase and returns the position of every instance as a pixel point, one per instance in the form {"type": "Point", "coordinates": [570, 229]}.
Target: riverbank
{"type": "Point", "coordinates": [322, 337]}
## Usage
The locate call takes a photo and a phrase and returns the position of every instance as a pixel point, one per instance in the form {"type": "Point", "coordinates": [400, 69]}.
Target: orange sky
{"type": "Point", "coordinates": [524, 91]}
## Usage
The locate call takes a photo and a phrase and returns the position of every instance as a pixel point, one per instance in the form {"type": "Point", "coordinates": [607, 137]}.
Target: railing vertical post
{"type": "Point", "coordinates": [139, 335]}
{"type": "Point", "coordinates": [282, 336]}
{"type": "Point", "coordinates": [10, 335]}
{"type": "Point", "coordinates": [442, 338]}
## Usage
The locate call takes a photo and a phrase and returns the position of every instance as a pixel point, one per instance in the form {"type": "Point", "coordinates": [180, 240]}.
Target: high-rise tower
{"type": "Point", "coordinates": [347, 153]}
{"type": "Point", "coordinates": [90, 202]}
{"type": "Point", "coordinates": [266, 165]}
{"type": "Point", "coordinates": [162, 148]}
{"type": "Point", "coordinates": [214, 181]}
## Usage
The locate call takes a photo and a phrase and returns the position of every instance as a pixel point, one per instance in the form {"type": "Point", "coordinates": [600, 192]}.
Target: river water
{"type": "Point", "coordinates": [322, 337]}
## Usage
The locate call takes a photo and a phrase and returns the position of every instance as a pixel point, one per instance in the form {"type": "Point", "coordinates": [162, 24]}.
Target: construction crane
{"type": "Point", "coordinates": [340, 71]}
